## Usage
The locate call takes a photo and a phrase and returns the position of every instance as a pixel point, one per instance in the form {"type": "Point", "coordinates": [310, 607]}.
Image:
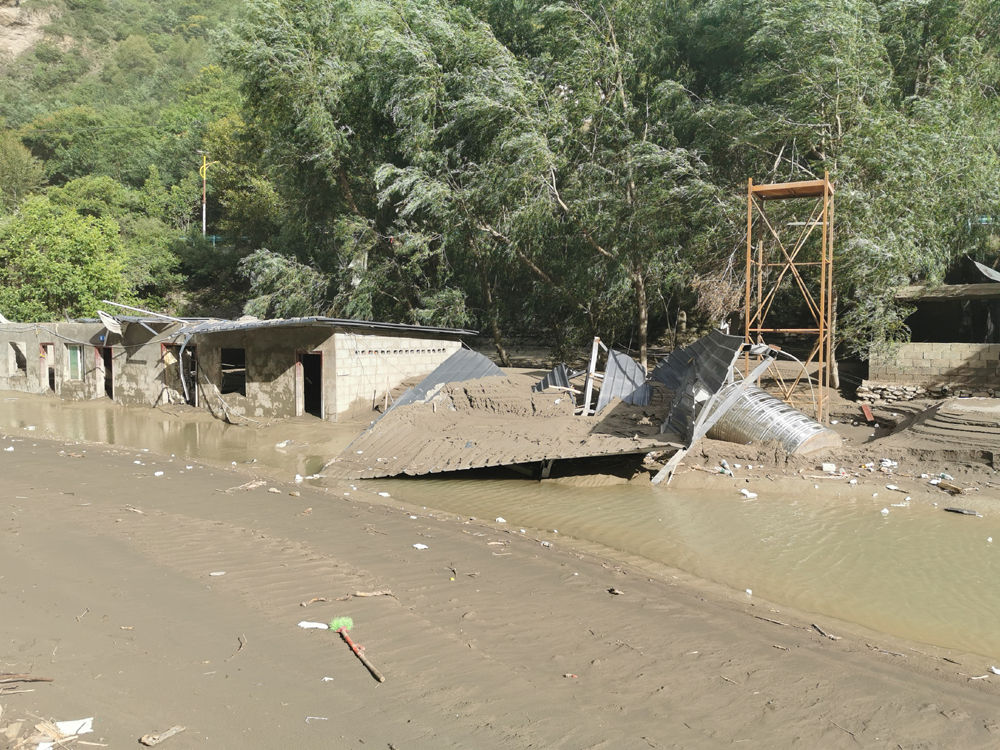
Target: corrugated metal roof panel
{"type": "Point", "coordinates": [463, 365]}
{"type": "Point", "coordinates": [482, 424]}
{"type": "Point", "coordinates": [624, 379]}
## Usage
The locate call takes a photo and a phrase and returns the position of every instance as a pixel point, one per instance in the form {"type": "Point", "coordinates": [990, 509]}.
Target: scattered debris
{"type": "Point", "coordinates": [344, 624]}
{"type": "Point", "coordinates": [823, 633]}
{"type": "Point", "coordinates": [418, 545]}
{"type": "Point", "coordinates": [155, 739]}
{"type": "Point", "coordinates": [246, 486]}
{"type": "Point", "coordinates": [307, 625]}
{"type": "Point", "coordinates": [313, 601]}
{"type": "Point", "coordinates": [615, 592]}
{"type": "Point", "coordinates": [965, 512]}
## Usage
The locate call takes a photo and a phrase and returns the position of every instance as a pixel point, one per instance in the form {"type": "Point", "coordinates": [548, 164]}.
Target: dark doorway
{"type": "Point", "coordinates": [312, 383]}
{"type": "Point", "coordinates": [234, 371]}
{"type": "Point", "coordinates": [107, 356]}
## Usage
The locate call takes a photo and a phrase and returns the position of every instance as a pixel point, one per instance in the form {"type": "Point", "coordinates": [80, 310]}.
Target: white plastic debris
{"type": "Point", "coordinates": [946, 477]}
{"type": "Point", "coordinates": [217, 573]}
{"type": "Point", "coordinates": [9, 449]}
{"type": "Point", "coordinates": [852, 481]}
{"type": "Point", "coordinates": [383, 494]}
{"type": "Point", "coordinates": [318, 625]}
{"type": "Point", "coordinates": [994, 670]}
{"type": "Point", "coordinates": [420, 546]}
{"type": "Point", "coordinates": [412, 518]}
{"type": "Point", "coordinates": [989, 539]}
{"type": "Point", "coordinates": [829, 468]}
{"type": "Point", "coordinates": [749, 592]}
{"type": "Point", "coordinates": [893, 487]}
{"type": "Point", "coordinates": [884, 511]}
{"type": "Point", "coordinates": [69, 729]}
{"type": "Point", "coordinates": [546, 544]}
{"type": "Point", "coordinates": [298, 479]}
{"type": "Point", "coordinates": [283, 444]}
{"type": "Point", "coordinates": [327, 679]}
{"type": "Point", "coordinates": [748, 494]}
{"type": "Point", "coordinates": [501, 519]}
{"type": "Point", "coordinates": [157, 473]}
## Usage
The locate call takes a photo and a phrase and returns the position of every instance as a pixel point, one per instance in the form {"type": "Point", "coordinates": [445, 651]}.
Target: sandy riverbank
{"type": "Point", "coordinates": [489, 640]}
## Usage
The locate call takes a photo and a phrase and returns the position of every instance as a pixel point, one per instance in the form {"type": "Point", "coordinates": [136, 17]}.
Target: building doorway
{"type": "Point", "coordinates": [48, 368]}
{"type": "Point", "coordinates": [105, 365]}
{"type": "Point", "coordinates": [309, 384]}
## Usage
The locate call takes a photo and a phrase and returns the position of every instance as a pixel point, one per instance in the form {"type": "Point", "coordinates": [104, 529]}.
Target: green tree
{"type": "Point", "coordinates": [20, 173]}
{"type": "Point", "coordinates": [55, 261]}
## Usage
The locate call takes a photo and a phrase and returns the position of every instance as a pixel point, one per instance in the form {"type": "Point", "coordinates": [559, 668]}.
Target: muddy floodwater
{"type": "Point", "coordinates": [915, 572]}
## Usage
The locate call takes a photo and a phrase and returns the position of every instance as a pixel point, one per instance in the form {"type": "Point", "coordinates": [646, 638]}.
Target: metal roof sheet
{"type": "Point", "coordinates": [624, 379]}
{"type": "Point", "coordinates": [220, 326]}
{"type": "Point", "coordinates": [479, 425]}
{"type": "Point", "coordinates": [463, 365]}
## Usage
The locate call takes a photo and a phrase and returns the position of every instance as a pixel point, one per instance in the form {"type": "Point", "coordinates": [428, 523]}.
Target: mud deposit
{"type": "Point", "coordinates": [617, 618]}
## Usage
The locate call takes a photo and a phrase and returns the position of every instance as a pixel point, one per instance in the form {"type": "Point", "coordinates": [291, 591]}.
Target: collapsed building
{"type": "Point", "coordinates": [249, 368]}
{"type": "Point", "coordinates": [469, 414]}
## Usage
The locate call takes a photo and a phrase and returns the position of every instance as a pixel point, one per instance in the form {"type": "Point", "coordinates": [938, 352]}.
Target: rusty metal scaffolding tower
{"type": "Point", "coordinates": [774, 264]}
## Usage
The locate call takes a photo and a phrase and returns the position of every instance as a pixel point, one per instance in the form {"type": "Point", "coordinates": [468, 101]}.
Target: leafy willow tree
{"type": "Point", "coordinates": [450, 169]}
{"type": "Point", "coordinates": [895, 99]}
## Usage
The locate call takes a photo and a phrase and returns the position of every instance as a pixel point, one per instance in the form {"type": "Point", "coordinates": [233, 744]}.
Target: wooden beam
{"type": "Point", "coordinates": [804, 189]}
{"type": "Point", "coordinates": [949, 292]}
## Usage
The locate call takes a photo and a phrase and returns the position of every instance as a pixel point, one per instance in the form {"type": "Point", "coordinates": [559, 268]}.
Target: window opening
{"type": "Point", "coordinates": [18, 362]}
{"type": "Point", "coordinates": [74, 361]}
{"type": "Point", "coordinates": [234, 371]}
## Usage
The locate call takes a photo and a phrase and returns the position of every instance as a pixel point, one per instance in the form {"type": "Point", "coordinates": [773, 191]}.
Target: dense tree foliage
{"type": "Point", "coordinates": [562, 169]}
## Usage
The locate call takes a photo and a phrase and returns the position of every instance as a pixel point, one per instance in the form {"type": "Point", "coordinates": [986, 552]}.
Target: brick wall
{"type": "Point", "coordinates": [935, 364]}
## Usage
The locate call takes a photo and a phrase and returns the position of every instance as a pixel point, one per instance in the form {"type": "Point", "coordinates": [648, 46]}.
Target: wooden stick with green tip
{"type": "Point", "coordinates": [342, 625]}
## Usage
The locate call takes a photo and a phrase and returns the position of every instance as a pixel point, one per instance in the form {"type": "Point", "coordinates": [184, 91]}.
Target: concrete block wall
{"type": "Point", "coordinates": [369, 365]}
{"type": "Point", "coordinates": [930, 364]}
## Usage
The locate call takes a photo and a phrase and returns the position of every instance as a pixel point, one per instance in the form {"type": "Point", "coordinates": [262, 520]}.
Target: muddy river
{"type": "Point", "coordinates": [915, 572]}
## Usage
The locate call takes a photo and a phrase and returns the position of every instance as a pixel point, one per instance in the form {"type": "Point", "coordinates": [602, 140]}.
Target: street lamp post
{"type": "Point", "coordinates": [203, 171]}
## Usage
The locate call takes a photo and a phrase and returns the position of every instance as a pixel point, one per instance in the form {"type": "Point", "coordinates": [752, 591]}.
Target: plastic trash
{"type": "Point", "coordinates": [420, 546]}
{"type": "Point", "coordinates": [829, 468]}
{"type": "Point", "coordinates": [383, 494]}
{"type": "Point", "coordinates": [994, 670]}
{"type": "Point", "coordinates": [725, 468]}
{"type": "Point", "coordinates": [501, 519]}
{"type": "Point", "coordinates": [946, 477]}
{"type": "Point", "coordinates": [884, 511]}
{"type": "Point", "coordinates": [157, 473]}
{"type": "Point", "coordinates": [748, 494]}
{"type": "Point", "coordinates": [318, 625]}
{"type": "Point", "coordinates": [749, 592]}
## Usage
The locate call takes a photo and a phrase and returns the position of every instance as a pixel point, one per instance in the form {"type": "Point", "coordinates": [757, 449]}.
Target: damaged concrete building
{"type": "Point", "coordinates": [955, 343]}
{"type": "Point", "coordinates": [260, 369]}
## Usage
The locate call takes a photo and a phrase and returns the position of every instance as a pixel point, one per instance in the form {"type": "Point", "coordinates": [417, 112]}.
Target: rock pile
{"type": "Point", "coordinates": [887, 393]}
